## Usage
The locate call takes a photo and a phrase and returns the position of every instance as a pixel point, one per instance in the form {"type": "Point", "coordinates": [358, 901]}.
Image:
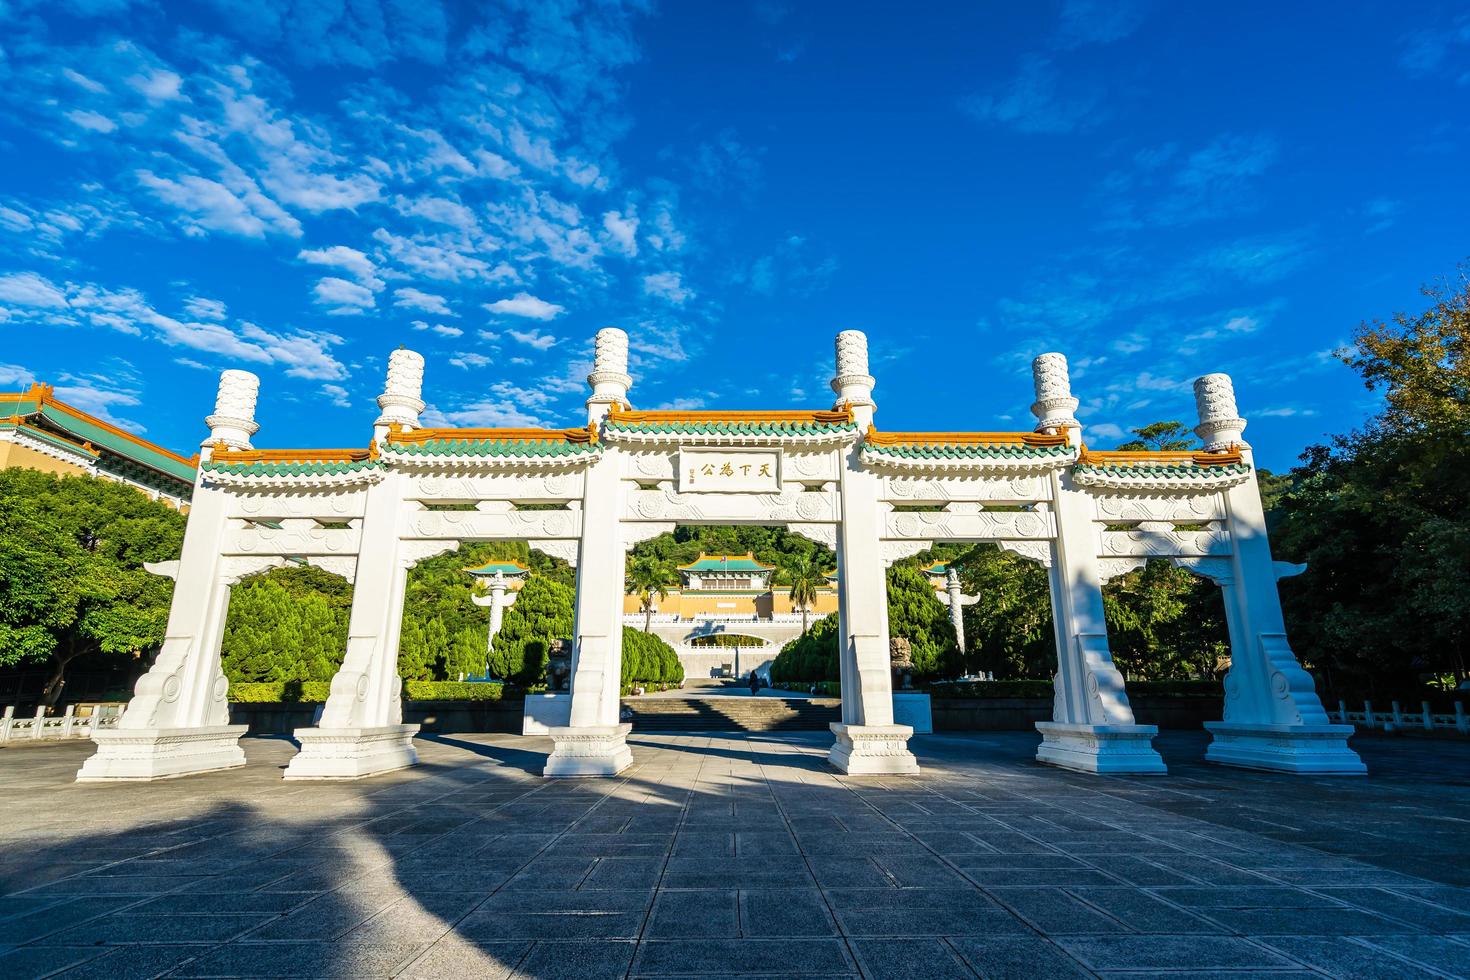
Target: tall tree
{"type": "Point", "coordinates": [804, 579]}
{"type": "Point", "coordinates": [72, 582]}
{"type": "Point", "coordinates": [1160, 437]}
{"type": "Point", "coordinates": [647, 578]}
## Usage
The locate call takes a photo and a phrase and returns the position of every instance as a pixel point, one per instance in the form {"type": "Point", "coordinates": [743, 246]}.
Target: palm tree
{"type": "Point", "coordinates": [804, 578]}
{"type": "Point", "coordinates": [647, 577]}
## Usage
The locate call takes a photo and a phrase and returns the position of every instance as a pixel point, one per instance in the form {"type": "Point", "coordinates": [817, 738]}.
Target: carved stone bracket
{"type": "Point", "coordinates": [234, 569]}
{"type": "Point", "coordinates": [565, 549]}
{"type": "Point", "coordinates": [1216, 569]}
{"type": "Point", "coordinates": [637, 532]}
{"type": "Point", "coordinates": [410, 553]}
{"type": "Point", "coordinates": [892, 551]}
{"type": "Point", "coordinates": [824, 534]}
{"type": "Point", "coordinates": [341, 565]}
{"type": "Point", "coordinates": [1037, 551]}
{"type": "Point", "coordinates": [1109, 568]}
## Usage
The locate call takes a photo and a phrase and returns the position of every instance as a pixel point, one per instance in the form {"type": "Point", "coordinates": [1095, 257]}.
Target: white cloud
{"type": "Point", "coordinates": [438, 328]}
{"type": "Point", "coordinates": [29, 289]}
{"type": "Point", "coordinates": [14, 374]}
{"type": "Point", "coordinates": [667, 285]}
{"type": "Point", "coordinates": [158, 85]}
{"type": "Point", "coordinates": [347, 259]}
{"type": "Point", "coordinates": [528, 306]}
{"type": "Point", "coordinates": [622, 231]}
{"type": "Point", "coordinates": [83, 82]}
{"type": "Point", "coordinates": [532, 338]}
{"type": "Point", "coordinates": [414, 299]}
{"type": "Point", "coordinates": [212, 206]}
{"type": "Point", "coordinates": [469, 359]}
{"type": "Point", "coordinates": [338, 395]}
{"type": "Point", "coordinates": [343, 297]}
{"type": "Point", "coordinates": [204, 309]}
{"type": "Point", "coordinates": [487, 414]}
{"type": "Point", "coordinates": [90, 120]}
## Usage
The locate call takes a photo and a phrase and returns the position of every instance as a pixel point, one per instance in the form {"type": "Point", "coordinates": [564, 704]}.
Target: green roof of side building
{"type": "Point", "coordinates": [726, 563]}
{"type": "Point", "coordinates": [500, 567]}
{"type": "Point", "coordinates": [39, 408]}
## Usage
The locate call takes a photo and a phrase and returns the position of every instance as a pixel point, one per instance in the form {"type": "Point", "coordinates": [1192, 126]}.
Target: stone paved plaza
{"type": "Point", "coordinates": [739, 856]}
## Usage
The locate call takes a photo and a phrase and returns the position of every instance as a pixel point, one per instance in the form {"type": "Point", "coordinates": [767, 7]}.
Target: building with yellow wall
{"type": "Point", "coordinates": [729, 586]}
{"type": "Point", "coordinates": [39, 431]}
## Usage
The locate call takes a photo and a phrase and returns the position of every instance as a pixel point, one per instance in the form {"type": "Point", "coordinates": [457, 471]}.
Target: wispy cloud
{"type": "Point", "coordinates": [526, 305]}
{"type": "Point", "coordinates": [1036, 100]}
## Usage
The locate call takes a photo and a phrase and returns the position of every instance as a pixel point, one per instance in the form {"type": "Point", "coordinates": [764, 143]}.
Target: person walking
{"type": "Point", "coordinates": [755, 683]}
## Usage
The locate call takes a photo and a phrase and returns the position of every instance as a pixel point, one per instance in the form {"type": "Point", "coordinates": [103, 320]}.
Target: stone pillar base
{"type": "Point", "coordinates": [873, 750]}
{"type": "Point", "coordinates": [158, 753]}
{"type": "Point", "coordinates": [351, 753]}
{"type": "Point", "coordinates": [594, 750]}
{"type": "Point", "coordinates": [1102, 749]}
{"type": "Point", "coordinates": [1318, 750]}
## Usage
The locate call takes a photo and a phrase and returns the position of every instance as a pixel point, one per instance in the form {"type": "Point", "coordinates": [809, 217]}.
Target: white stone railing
{"type": "Point", "coordinates": [1395, 718]}
{"type": "Point", "coordinates": [636, 619]}
{"type": "Point", "coordinates": [68, 724]}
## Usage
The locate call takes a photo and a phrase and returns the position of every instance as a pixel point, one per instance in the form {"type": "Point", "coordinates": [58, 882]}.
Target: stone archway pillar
{"type": "Point", "coordinates": [594, 741]}
{"type": "Point", "coordinates": [1273, 717]}
{"type": "Point", "coordinates": [178, 719]}
{"type": "Point", "coordinates": [1092, 727]}
{"type": "Point", "coordinates": [867, 740]}
{"type": "Point", "coordinates": [361, 731]}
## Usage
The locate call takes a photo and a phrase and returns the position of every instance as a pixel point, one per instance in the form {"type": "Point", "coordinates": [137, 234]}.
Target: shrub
{"type": "Point", "coordinates": [649, 661]}
{"type": "Point", "coordinates": [268, 692]}
{"type": "Point", "coordinates": [451, 691]}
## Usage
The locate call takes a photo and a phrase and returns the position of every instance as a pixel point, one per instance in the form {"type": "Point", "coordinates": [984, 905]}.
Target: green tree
{"type": "Point", "coordinates": [1160, 437]}
{"type": "Point", "coordinates": [542, 613]}
{"type": "Point", "coordinates": [647, 577]}
{"type": "Point", "coordinates": [915, 613]}
{"type": "Point", "coordinates": [1009, 630]}
{"type": "Point", "coordinates": [1165, 623]}
{"type": "Point", "coordinates": [72, 582]}
{"type": "Point", "coordinates": [804, 578]}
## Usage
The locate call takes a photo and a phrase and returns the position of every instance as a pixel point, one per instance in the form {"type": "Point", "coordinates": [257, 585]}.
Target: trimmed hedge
{"type": "Point", "coordinates": [1044, 689]}
{"type": "Point", "coordinates": [315, 692]}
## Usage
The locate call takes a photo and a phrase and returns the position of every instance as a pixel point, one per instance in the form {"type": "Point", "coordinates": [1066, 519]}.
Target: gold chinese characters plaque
{"type": "Point", "coordinates": [729, 471]}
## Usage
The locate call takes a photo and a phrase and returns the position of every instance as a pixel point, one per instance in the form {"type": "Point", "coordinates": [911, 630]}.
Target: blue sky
{"type": "Point", "coordinates": [297, 187]}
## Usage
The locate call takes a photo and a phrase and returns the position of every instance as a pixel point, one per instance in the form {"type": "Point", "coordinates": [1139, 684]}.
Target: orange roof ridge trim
{"type": "Point", "coordinates": [1135, 457]}
{"type": "Point", "coordinates": [1036, 439]}
{"type": "Point", "coordinates": [835, 416]}
{"type": "Point", "coordinates": [579, 436]}
{"type": "Point", "coordinates": [221, 454]}
{"type": "Point", "coordinates": [45, 394]}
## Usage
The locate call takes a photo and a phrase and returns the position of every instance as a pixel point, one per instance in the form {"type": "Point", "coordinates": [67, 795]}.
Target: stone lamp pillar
{"type": "Point", "coordinates": [499, 598]}
{"type": "Point", "coordinates": [594, 742]}
{"type": "Point", "coordinates": [866, 740]}
{"type": "Point", "coordinates": [177, 721]}
{"type": "Point", "coordinates": [609, 379]}
{"type": "Point", "coordinates": [402, 399]}
{"type": "Point", "coordinates": [956, 600]}
{"type": "Point", "coordinates": [1273, 717]}
{"type": "Point", "coordinates": [1092, 727]}
{"type": "Point", "coordinates": [361, 732]}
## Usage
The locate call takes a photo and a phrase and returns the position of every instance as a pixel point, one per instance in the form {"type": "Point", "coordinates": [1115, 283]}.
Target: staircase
{"type": "Point", "coordinates": [733, 714]}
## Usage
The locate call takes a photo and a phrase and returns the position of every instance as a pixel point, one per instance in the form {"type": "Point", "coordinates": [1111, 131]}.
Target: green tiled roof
{"type": "Point", "coordinates": [38, 433]}
{"type": "Point", "coordinates": [742, 427]}
{"type": "Point", "coordinates": [730, 563]}
{"type": "Point", "coordinates": [938, 568]}
{"type": "Point", "coordinates": [520, 448]}
{"type": "Point", "coordinates": [1176, 471]}
{"type": "Point", "coordinates": [289, 469]}
{"type": "Point", "coordinates": [502, 567]}
{"type": "Point", "coordinates": [116, 444]}
{"type": "Point", "coordinates": [967, 451]}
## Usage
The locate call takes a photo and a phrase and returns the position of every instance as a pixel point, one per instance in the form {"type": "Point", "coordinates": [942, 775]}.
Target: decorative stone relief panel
{"type": "Point", "coordinates": [791, 505]}
{"type": "Point", "coordinates": [277, 506]}
{"type": "Point", "coordinates": [295, 537]}
{"type": "Point", "coordinates": [514, 525]}
{"type": "Point", "coordinates": [938, 489]}
{"type": "Point", "coordinates": [976, 526]}
{"type": "Point", "coordinates": [1164, 543]}
{"type": "Point", "coordinates": [550, 486]}
{"type": "Point", "coordinates": [1116, 508]}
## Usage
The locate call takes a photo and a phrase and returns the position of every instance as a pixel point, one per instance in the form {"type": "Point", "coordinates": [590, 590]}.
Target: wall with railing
{"type": "Point", "coordinates": [75, 721]}
{"type": "Point", "coordinates": [1397, 718]}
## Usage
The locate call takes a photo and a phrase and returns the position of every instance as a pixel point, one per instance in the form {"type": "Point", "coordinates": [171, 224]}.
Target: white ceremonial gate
{"type": "Point", "coordinates": [874, 497]}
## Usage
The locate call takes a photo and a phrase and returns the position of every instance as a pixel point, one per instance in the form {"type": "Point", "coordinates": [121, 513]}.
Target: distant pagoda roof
{"type": "Point", "coordinates": [39, 412]}
{"type": "Point", "coordinates": [726, 563]}
{"type": "Point", "coordinates": [500, 567]}
{"type": "Point", "coordinates": [936, 568]}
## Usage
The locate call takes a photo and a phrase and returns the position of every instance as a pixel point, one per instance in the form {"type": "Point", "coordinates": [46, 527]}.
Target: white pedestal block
{"type": "Point", "coordinates": [913, 709]}
{"type": "Point", "coordinates": [351, 753]}
{"type": "Point", "coordinates": [544, 712]}
{"type": "Point", "coordinates": [157, 753]}
{"type": "Point", "coordinates": [598, 750]}
{"type": "Point", "coordinates": [1319, 750]}
{"type": "Point", "coordinates": [864, 750]}
{"type": "Point", "coordinates": [1102, 749]}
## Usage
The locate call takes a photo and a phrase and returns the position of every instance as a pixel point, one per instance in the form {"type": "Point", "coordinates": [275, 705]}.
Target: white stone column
{"type": "Point", "coordinates": [594, 741]}
{"type": "Point", "coordinates": [498, 599]}
{"type": "Point", "coordinates": [178, 719]}
{"type": "Point", "coordinates": [956, 600]}
{"type": "Point", "coordinates": [866, 740]}
{"type": "Point", "coordinates": [1092, 727]}
{"type": "Point", "coordinates": [1273, 717]}
{"type": "Point", "coordinates": [361, 731]}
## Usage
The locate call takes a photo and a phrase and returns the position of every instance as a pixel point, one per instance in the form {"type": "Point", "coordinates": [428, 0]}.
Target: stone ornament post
{"type": "Point", "coordinates": [361, 731]}
{"type": "Point", "coordinates": [867, 740]}
{"type": "Point", "coordinates": [178, 719]}
{"type": "Point", "coordinates": [402, 397]}
{"type": "Point", "coordinates": [1092, 727]}
{"type": "Point", "coordinates": [594, 742]}
{"type": "Point", "coordinates": [1273, 717]}
{"type": "Point", "coordinates": [499, 598]}
{"type": "Point", "coordinates": [956, 600]}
